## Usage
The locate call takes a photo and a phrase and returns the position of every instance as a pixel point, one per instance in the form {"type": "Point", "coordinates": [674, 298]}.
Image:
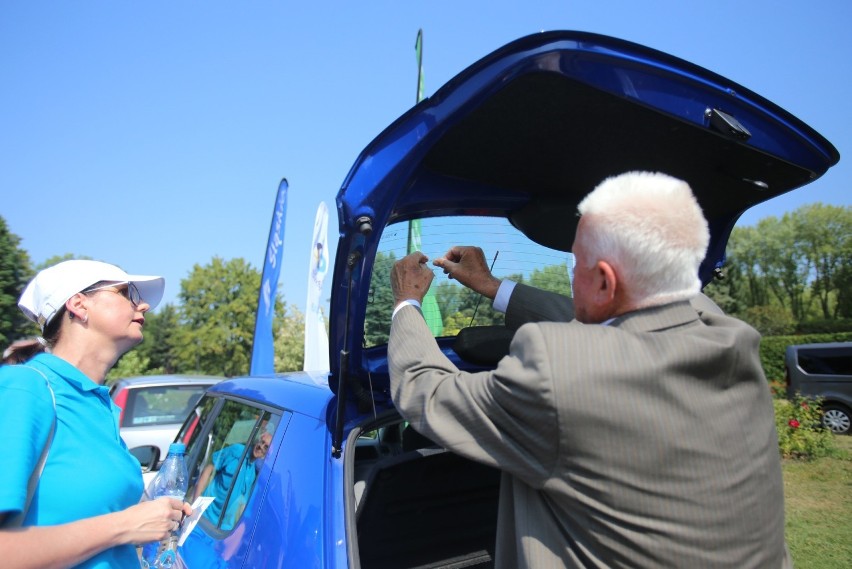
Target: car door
{"type": "Point", "coordinates": [231, 446]}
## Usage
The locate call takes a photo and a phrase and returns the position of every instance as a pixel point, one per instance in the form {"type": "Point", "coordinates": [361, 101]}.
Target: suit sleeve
{"type": "Point", "coordinates": [530, 304]}
{"type": "Point", "coordinates": [485, 416]}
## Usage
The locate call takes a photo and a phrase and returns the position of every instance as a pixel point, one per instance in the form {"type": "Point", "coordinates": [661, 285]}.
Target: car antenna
{"type": "Point", "coordinates": [475, 308]}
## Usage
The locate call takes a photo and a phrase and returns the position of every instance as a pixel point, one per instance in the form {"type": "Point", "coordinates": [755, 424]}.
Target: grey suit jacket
{"type": "Point", "coordinates": [647, 443]}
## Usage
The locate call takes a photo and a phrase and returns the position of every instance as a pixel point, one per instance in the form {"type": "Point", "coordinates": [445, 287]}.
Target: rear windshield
{"type": "Point", "coordinates": [160, 405]}
{"type": "Point", "coordinates": [449, 307]}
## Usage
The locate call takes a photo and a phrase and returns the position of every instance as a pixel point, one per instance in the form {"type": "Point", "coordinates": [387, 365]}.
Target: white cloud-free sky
{"type": "Point", "coordinates": [153, 134]}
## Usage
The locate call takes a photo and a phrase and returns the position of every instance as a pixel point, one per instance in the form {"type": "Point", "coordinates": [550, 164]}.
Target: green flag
{"type": "Point", "coordinates": [418, 49]}
{"type": "Point", "coordinates": [431, 311]}
{"type": "Point", "coordinates": [430, 308]}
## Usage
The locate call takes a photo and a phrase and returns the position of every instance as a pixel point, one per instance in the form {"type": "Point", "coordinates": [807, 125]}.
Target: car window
{"type": "Point", "coordinates": [193, 428]}
{"type": "Point", "coordinates": [452, 307]}
{"type": "Point", "coordinates": [160, 405]}
{"type": "Point", "coordinates": [825, 361]}
{"type": "Point", "coordinates": [226, 458]}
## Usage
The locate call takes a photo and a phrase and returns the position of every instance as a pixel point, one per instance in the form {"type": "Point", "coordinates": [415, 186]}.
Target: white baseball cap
{"type": "Point", "coordinates": [53, 286]}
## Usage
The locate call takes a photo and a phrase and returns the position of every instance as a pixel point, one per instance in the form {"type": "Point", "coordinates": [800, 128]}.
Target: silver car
{"type": "Point", "coordinates": [154, 407]}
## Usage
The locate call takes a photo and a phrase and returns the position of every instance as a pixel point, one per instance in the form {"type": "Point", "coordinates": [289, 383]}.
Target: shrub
{"type": "Point", "coordinates": [825, 326]}
{"type": "Point", "coordinates": [770, 320]}
{"type": "Point", "coordinates": [800, 431]}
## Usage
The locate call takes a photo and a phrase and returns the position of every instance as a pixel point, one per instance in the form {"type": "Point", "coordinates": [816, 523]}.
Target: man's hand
{"type": "Point", "coordinates": [410, 278]}
{"type": "Point", "coordinates": [467, 265]}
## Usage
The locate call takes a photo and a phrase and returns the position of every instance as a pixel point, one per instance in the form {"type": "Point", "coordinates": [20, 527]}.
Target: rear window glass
{"type": "Point", "coordinates": [508, 252]}
{"type": "Point", "coordinates": [160, 405]}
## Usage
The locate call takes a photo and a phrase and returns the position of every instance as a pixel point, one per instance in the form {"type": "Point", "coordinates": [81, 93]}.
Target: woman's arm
{"type": "Point", "coordinates": [67, 545]}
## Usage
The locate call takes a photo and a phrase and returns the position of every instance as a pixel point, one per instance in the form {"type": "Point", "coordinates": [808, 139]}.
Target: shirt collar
{"type": "Point", "coordinates": [68, 372]}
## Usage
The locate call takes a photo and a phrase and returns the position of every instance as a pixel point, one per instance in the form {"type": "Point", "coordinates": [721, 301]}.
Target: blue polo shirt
{"type": "Point", "coordinates": [89, 470]}
{"type": "Point", "coordinates": [228, 470]}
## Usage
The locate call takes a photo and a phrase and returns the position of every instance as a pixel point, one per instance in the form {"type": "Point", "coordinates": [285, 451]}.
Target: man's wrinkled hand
{"type": "Point", "coordinates": [411, 278]}
{"type": "Point", "coordinates": [467, 265]}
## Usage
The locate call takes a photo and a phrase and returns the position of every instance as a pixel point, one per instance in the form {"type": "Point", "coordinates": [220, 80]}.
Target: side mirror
{"type": "Point", "coordinates": [148, 456]}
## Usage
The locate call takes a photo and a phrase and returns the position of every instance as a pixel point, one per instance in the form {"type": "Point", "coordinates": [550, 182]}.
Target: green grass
{"type": "Point", "coordinates": [818, 504]}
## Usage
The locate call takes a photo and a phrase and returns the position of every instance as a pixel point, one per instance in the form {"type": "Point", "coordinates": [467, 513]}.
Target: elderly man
{"type": "Point", "coordinates": [638, 434]}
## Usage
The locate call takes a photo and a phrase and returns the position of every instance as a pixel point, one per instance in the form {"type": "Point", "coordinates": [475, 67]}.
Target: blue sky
{"type": "Point", "coordinates": [153, 134]}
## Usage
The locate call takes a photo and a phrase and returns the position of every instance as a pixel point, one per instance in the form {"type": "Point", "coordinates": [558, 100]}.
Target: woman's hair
{"type": "Point", "coordinates": [52, 329]}
{"type": "Point", "coordinates": [650, 228]}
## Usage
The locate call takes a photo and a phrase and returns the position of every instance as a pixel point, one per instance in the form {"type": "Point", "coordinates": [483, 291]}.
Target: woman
{"type": "Point", "coordinates": [85, 509]}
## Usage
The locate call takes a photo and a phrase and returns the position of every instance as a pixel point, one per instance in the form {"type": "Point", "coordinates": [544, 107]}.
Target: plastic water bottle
{"type": "Point", "coordinates": [172, 480]}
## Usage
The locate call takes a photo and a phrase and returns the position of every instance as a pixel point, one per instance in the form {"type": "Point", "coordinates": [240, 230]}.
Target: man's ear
{"type": "Point", "coordinates": [606, 285]}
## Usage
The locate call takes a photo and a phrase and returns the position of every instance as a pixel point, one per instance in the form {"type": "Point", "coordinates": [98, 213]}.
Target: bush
{"type": "Point", "coordinates": [800, 431]}
{"type": "Point", "coordinates": [770, 320]}
{"type": "Point", "coordinates": [823, 326]}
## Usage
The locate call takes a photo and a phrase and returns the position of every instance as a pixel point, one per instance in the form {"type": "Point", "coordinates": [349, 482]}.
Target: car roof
{"type": "Point", "coordinates": [527, 131]}
{"type": "Point", "coordinates": [303, 392]}
{"type": "Point", "coordinates": [171, 379]}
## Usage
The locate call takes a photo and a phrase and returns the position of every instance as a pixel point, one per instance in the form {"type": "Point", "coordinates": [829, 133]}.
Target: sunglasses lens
{"type": "Point", "coordinates": [133, 294]}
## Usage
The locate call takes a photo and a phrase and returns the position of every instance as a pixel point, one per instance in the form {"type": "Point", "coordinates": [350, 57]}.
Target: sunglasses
{"type": "Point", "coordinates": [127, 290]}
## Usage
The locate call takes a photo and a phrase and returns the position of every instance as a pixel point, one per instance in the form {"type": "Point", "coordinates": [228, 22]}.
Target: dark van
{"type": "Point", "coordinates": [823, 370]}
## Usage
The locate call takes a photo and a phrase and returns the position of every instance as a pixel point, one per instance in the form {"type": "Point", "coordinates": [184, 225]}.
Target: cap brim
{"type": "Point", "coordinates": [150, 288]}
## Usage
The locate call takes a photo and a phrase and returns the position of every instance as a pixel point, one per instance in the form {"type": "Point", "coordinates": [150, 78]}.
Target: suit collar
{"type": "Point", "coordinates": [657, 318]}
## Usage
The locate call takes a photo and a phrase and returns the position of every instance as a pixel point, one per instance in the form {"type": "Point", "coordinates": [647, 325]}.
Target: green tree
{"type": "Point", "coordinates": [725, 291]}
{"type": "Point", "coordinates": [844, 290]}
{"type": "Point", "coordinates": [783, 263]}
{"type": "Point", "coordinates": [131, 364]}
{"type": "Point", "coordinates": [161, 328]}
{"type": "Point", "coordinates": [553, 278]}
{"type": "Point", "coordinates": [770, 320]}
{"type": "Point", "coordinates": [289, 340]}
{"type": "Point", "coordinates": [742, 255]}
{"type": "Point", "coordinates": [56, 259]}
{"type": "Point", "coordinates": [217, 315]}
{"type": "Point", "coordinates": [824, 235]}
{"type": "Point", "coordinates": [377, 319]}
{"type": "Point", "coordinates": [15, 272]}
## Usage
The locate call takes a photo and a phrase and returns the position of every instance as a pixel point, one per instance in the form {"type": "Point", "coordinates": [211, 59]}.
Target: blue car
{"type": "Point", "coordinates": [317, 470]}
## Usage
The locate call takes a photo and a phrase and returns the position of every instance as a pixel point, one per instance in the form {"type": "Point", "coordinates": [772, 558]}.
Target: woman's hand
{"type": "Point", "coordinates": [153, 520]}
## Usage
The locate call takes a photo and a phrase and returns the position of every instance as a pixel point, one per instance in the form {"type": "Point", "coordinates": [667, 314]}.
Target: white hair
{"type": "Point", "coordinates": [650, 228]}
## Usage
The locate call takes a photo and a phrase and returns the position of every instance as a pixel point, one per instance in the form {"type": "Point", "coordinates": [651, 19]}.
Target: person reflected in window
{"type": "Point", "coordinates": [232, 466]}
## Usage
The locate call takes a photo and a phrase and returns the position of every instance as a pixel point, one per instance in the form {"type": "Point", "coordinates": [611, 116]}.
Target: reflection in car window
{"type": "Point", "coordinates": [227, 460]}
{"type": "Point", "coordinates": [190, 434]}
{"type": "Point", "coordinates": [511, 254]}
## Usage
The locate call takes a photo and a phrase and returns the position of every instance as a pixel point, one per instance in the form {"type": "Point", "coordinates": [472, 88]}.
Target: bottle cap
{"type": "Point", "coordinates": [177, 448]}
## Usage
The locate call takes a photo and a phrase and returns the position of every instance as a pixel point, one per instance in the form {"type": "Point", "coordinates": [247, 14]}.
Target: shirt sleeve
{"type": "Point", "coordinates": [407, 302]}
{"type": "Point", "coordinates": [501, 299]}
{"type": "Point", "coordinates": [27, 415]}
